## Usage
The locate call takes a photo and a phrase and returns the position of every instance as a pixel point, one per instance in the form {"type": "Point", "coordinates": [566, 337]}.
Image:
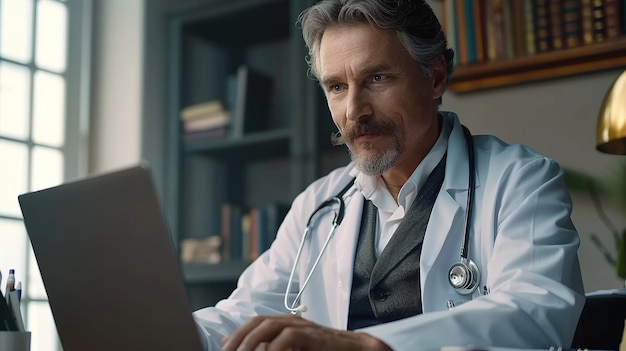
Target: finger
{"type": "Point", "coordinates": [232, 342]}
{"type": "Point", "coordinates": [266, 331]}
{"type": "Point", "coordinates": [258, 330]}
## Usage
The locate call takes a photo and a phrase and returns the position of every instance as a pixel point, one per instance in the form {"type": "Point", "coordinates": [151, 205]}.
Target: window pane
{"type": "Point", "coordinates": [51, 48]}
{"type": "Point", "coordinates": [16, 22]}
{"type": "Point", "coordinates": [13, 170]}
{"type": "Point", "coordinates": [41, 325]}
{"type": "Point", "coordinates": [47, 168]}
{"type": "Point", "coordinates": [14, 94]}
{"type": "Point", "coordinates": [12, 250]}
{"type": "Point", "coordinates": [49, 109]}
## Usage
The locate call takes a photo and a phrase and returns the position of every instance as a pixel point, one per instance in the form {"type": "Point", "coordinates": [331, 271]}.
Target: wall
{"type": "Point", "coordinates": [117, 84]}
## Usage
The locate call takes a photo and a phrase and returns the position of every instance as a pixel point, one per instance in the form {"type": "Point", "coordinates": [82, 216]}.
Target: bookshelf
{"type": "Point", "coordinates": [208, 41]}
{"type": "Point", "coordinates": [586, 52]}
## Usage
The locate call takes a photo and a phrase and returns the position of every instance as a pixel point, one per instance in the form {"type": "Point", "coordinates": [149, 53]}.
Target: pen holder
{"type": "Point", "coordinates": [14, 341]}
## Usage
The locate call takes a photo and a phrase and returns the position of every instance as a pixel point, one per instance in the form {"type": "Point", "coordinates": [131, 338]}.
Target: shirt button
{"type": "Point", "coordinates": [340, 284]}
{"type": "Point", "coordinates": [380, 294]}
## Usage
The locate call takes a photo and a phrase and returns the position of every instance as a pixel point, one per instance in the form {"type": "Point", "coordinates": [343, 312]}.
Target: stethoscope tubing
{"type": "Point", "coordinates": [294, 308]}
{"type": "Point", "coordinates": [471, 274]}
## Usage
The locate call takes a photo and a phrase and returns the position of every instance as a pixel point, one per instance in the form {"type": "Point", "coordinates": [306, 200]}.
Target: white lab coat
{"type": "Point", "coordinates": [522, 240]}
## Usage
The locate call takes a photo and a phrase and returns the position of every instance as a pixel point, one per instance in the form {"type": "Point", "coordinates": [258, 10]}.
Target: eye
{"type": "Point", "coordinates": [335, 88]}
{"type": "Point", "coordinates": [379, 77]}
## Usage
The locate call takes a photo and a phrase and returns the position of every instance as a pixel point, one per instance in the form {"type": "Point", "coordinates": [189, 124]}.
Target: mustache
{"type": "Point", "coordinates": [361, 128]}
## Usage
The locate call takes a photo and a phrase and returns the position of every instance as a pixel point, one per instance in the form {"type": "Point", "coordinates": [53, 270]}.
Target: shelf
{"type": "Point", "coordinates": [205, 273]}
{"type": "Point", "coordinates": [553, 64]}
{"type": "Point", "coordinates": [252, 146]}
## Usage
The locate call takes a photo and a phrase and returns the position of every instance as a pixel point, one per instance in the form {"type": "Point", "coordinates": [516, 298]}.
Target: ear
{"type": "Point", "coordinates": [439, 77]}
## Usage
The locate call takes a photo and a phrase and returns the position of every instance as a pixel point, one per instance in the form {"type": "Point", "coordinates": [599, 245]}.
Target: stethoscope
{"type": "Point", "coordinates": [464, 276]}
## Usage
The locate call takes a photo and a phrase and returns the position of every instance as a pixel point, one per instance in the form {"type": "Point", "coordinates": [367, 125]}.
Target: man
{"type": "Point", "coordinates": [386, 274]}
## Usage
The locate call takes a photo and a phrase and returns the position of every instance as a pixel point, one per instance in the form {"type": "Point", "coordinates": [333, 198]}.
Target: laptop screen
{"type": "Point", "coordinates": [108, 264]}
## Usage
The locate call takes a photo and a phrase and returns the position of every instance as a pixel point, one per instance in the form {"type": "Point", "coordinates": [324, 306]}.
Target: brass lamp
{"type": "Point", "coordinates": [611, 137]}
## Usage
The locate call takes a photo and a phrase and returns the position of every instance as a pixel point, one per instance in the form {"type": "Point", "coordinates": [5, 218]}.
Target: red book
{"type": "Point", "coordinates": [612, 18]}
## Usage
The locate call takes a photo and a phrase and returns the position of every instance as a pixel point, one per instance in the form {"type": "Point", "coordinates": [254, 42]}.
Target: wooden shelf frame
{"type": "Point", "coordinates": [559, 63]}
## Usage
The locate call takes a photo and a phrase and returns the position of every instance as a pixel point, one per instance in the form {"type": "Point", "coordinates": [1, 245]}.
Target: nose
{"type": "Point", "coordinates": [358, 105]}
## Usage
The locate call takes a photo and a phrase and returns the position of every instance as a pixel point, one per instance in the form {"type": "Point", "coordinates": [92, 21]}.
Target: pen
{"type": "Point", "coordinates": [18, 288]}
{"type": "Point", "coordinates": [10, 281]}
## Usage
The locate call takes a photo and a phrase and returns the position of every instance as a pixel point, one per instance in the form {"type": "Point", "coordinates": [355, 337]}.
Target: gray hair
{"type": "Point", "coordinates": [414, 21]}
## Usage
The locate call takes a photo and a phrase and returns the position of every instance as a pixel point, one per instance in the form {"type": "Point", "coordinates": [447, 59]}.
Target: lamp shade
{"type": "Point", "coordinates": [611, 137]}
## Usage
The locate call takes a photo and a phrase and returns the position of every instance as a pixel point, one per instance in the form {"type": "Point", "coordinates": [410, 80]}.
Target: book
{"type": "Point", "coordinates": [495, 29]}
{"type": "Point", "coordinates": [612, 18]}
{"type": "Point", "coordinates": [461, 33]}
{"type": "Point", "coordinates": [542, 26]}
{"type": "Point", "coordinates": [519, 28]}
{"type": "Point", "coordinates": [508, 35]}
{"type": "Point", "coordinates": [218, 132]}
{"type": "Point", "coordinates": [200, 111]}
{"type": "Point", "coordinates": [470, 30]}
{"type": "Point", "coordinates": [572, 25]}
{"type": "Point", "coordinates": [529, 27]}
{"type": "Point", "coordinates": [478, 11]}
{"type": "Point", "coordinates": [212, 121]}
{"type": "Point", "coordinates": [253, 101]}
{"type": "Point", "coordinates": [586, 21]}
{"type": "Point", "coordinates": [597, 20]}
{"type": "Point", "coordinates": [556, 24]}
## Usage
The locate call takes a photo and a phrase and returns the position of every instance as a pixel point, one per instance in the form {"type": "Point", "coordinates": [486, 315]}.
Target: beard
{"type": "Point", "coordinates": [371, 161]}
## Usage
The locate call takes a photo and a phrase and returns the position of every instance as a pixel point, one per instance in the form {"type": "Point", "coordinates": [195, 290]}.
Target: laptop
{"type": "Point", "coordinates": [108, 264]}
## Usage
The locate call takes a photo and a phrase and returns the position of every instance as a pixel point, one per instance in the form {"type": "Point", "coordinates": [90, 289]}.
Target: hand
{"type": "Point", "coordinates": [289, 332]}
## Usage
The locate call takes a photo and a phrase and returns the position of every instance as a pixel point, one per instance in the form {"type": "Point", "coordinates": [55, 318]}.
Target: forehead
{"type": "Point", "coordinates": [359, 46]}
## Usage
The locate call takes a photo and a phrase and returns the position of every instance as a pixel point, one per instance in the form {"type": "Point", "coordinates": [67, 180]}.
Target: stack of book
{"type": "Point", "coordinates": [489, 30]}
{"type": "Point", "coordinates": [205, 120]}
{"type": "Point", "coordinates": [248, 101]}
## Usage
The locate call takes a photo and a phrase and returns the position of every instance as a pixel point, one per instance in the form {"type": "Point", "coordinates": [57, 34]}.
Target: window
{"type": "Point", "coordinates": [44, 63]}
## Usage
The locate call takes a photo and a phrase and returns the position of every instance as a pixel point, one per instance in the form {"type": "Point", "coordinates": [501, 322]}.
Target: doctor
{"type": "Point", "coordinates": [401, 272]}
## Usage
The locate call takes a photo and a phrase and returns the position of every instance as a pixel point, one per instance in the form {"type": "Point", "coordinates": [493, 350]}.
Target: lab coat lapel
{"type": "Point", "coordinates": [448, 211]}
{"type": "Point", "coordinates": [346, 239]}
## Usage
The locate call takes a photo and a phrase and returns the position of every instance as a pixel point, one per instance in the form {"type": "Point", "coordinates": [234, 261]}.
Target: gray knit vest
{"type": "Point", "coordinates": [388, 289]}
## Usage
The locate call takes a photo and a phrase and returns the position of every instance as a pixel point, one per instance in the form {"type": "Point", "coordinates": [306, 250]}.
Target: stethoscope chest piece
{"type": "Point", "coordinates": [464, 277]}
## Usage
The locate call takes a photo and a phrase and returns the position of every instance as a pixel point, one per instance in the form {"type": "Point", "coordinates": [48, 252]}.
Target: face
{"type": "Point", "coordinates": [379, 98]}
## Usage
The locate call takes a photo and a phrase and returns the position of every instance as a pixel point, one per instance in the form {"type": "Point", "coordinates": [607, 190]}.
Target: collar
{"type": "Point", "coordinates": [373, 188]}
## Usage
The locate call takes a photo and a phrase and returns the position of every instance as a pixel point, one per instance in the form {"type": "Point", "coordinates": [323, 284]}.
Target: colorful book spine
{"type": "Point", "coordinates": [508, 36]}
{"type": "Point", "coordinates": [478, 10]}
{"type": "Point", "coordinates": [612, 17]}
{"type": "Point", "coordinates": [529, 26]}
{"type": "Point", "coordinates": [556, 24]}
{"type": "Point", "coordinates": [519, 28]}
{"type": "Point", "coordinates": [462, 37]}
{"type": "Point", "coordinates": [469, 30]}
{"type": "Point", "coordinates": [495, 37]}
{"type": "Point", "coordinates": [572, 26]}
{"type": "Point", "coordinates": [597, 15]}
{"type": "Point", "coordinates": [586, 21]}
{"type": "Point", "coordinates": [542, 26]}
